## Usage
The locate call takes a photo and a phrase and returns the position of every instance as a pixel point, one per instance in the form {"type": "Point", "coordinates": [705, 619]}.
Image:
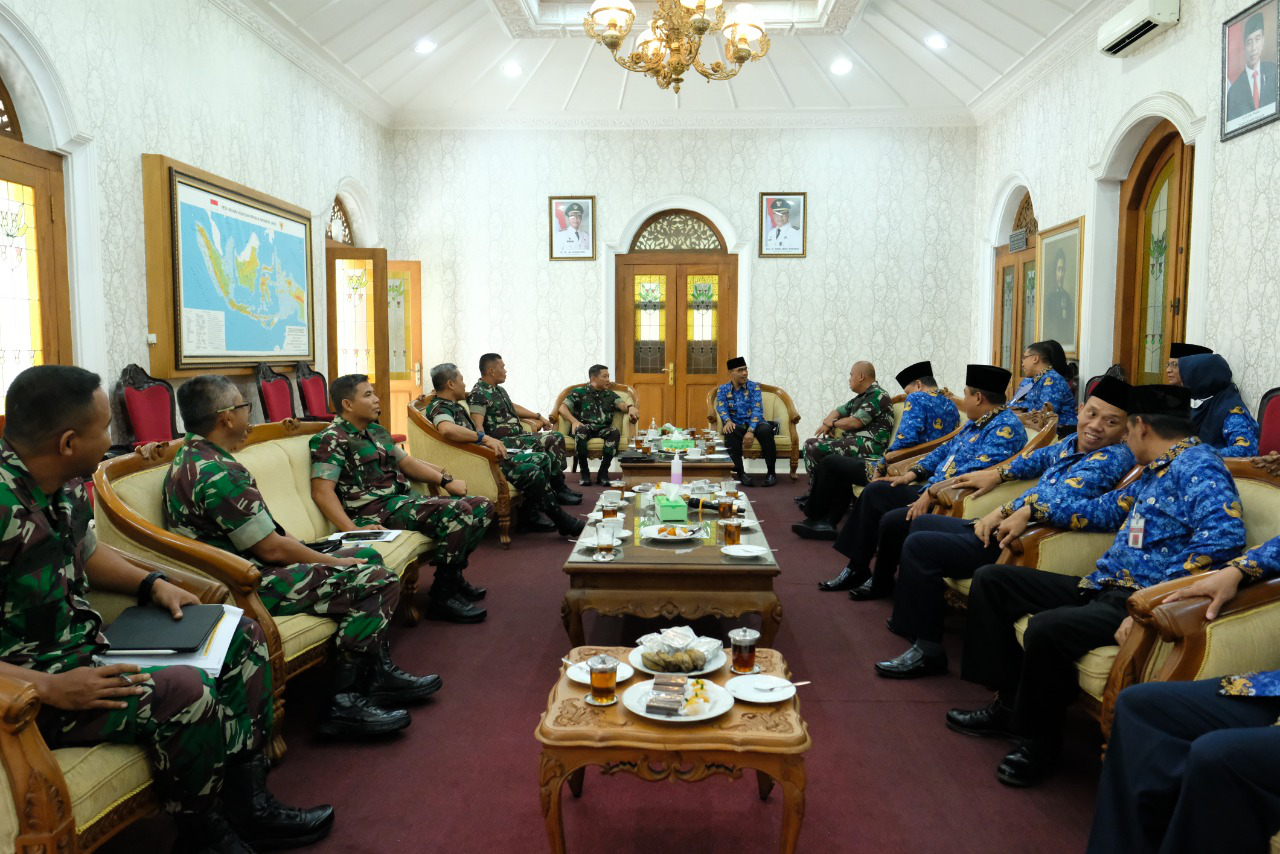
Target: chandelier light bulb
{"type": "Point", "coordinates": [611, 14]}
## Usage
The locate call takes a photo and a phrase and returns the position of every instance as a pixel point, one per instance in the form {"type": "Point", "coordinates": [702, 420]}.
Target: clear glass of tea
{"type": "Point", "coordinates": [732, 531]}
{"type": "Point", "coordinates": [609, 509]}
{"type": "Point", "coordinates": [604, 680]}
{"type": "Point", "coordinates": [742, 644]}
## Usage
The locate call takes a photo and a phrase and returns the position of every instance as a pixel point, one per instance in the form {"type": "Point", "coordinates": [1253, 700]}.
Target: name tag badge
{"type": "Point", "coordinates": [1137, 531]}
{"type": "Point", "coordinates": [951, 459]}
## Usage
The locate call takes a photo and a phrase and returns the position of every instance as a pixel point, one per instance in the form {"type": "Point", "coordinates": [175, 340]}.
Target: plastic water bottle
{"type": "Point", "coordinates": [653, 427]}
{"type": "Point", "coordinates": [677, 470]}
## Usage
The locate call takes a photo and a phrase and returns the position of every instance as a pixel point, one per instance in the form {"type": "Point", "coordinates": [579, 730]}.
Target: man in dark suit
{"type": "Point", "coordinates": [1255, 87]}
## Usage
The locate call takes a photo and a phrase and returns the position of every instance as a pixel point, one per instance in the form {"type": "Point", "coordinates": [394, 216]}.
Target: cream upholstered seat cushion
{"type": "Point", "coordinates": [596, 446]}
{"type": "Point", "coordinates": [300, 633]}
{"type": "Point", "coordinates": [462, 464]}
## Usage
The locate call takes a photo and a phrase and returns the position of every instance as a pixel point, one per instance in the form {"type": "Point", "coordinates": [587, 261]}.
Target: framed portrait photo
{"type": "Point", "coordinates": [572, 228]}
{"type": "Point", "coordinates": [1060, 258]}
{"type": "Point", "coordinates": [1250, 85]}
{"type": "Point", "coordinates": [783, 221]}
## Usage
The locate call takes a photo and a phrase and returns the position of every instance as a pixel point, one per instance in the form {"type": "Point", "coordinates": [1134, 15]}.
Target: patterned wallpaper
{"type": "Point", "coordinates": [1058, 128]}
{"type": "Point", "coordinates": [886, 277]}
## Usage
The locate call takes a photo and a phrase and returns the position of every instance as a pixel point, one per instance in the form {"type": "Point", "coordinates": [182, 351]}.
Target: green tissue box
{"type": "Point", "coordinates": [671, 509]}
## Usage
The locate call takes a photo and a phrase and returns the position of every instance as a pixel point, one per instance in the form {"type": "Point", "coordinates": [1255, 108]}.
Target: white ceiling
{"type": "Point", "coordinates": [366, 49]}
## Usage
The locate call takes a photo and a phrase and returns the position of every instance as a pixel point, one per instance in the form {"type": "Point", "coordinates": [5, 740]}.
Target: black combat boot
{"type": "Point", "coordinates": [564, 495]}
{"type": "Point", "coordinates": [349, 714]}
{"type": "Point", "coordinates": [529, 520]}
{"type": "Point", "coordinates": [445, 601]}
{"type": "Point", "coordinates": [584, 468]}
{"type": "Point", "coordinates": [469, 591]}
{"type": "Point", "coordinates": [207, 833]}
{"type": "Point", "coordinates": [262, 821]}
{"type": "Point", "coordinates": [569, 526]}
{"type": "Point", "coordinates": [389, 687]}
{"type": "Point", "coordinates": [602, 475]}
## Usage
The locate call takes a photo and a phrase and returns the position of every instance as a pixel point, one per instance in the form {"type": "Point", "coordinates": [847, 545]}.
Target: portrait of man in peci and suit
{"type": "Point", "coordinates": [1250, 80]}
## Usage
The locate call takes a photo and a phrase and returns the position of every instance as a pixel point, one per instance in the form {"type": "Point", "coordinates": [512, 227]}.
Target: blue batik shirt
{"type": "Point", "coordinates": [926, 415]}
{"type": "Point", "coordinates": [1190, 508]}
{"type": "Point", "coordinates": [991, 439]}
{"type": "Point", "coordinates": [1239, 434]}
{"type": "Point", "coordinates": [1064, 471]}
{"type": "Point", "coordinates": [1257, 564]}
{"type": "Point", "coordinates": [740, 405]}
{"type": "Point", "coordinates": [1050, 388]}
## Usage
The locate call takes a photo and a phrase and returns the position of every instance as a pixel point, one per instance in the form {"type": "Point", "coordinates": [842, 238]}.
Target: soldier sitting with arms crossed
{"type": "Point", "coordinates": [589, 410]}
{"type": "Point", "coordinates": [197, 730]}
{"type": "Point", "coordinates": [360, 479]}
{"type": "Point", "coordinates": [209, 496]}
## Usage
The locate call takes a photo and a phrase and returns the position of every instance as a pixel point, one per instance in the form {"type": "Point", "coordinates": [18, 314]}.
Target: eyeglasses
{"type": "Point", "coordinates": [232, 408]}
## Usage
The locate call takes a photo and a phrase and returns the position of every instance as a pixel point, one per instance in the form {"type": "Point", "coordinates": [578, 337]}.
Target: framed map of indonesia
{"type": "Point", "coordinates": [230, 270]}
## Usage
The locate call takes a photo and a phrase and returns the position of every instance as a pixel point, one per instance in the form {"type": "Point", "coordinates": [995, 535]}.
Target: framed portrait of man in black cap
{"type": "Point", "coordinates": [1250, 85]}
{"type": "Point", "coordinates": [783, 220]}
{"type": "Point", "coordinates": [571, 228]}
{"type": "Point", "coordinates": [1059, 258]}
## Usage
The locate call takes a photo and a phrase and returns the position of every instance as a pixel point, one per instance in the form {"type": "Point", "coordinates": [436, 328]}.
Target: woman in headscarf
{"type": "Point", "coordinates": [1045, 367]}
{"type": "Point", "coordinates": [1222, 419]}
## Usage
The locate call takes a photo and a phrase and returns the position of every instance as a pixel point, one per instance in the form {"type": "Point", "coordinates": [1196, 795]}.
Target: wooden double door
{"type": "Point", "coordinates": [677, 318]}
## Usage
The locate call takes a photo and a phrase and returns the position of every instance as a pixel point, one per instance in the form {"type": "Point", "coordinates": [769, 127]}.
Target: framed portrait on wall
{"type": "Point", "coordinates": [1250, 85]}
{"type": "Point", "coordinates": [1060, 258]}
{"type": "Point", "coordinates": [783, 224]}
{"type": "Point", "coordinates": [572, 228]}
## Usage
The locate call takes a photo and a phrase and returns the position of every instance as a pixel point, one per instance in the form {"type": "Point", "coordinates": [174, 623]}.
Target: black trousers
{"type": "Point", "coordinates": [876, 527]}
{"type": "Point", "coordinates": [1038, 679]}
{"type": "Point", "coordinates": [764, 437]}
{"type": "Point", "coordinates": [1189, 770]}
{"type": "Point", "coordinates": [937, 547]}
{"type": "Point", "coordinates": [831, 487]}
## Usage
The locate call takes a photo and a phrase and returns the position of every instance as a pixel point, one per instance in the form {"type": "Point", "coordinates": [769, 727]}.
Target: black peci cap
{"type": "Point", "coordinates": [1113, 391]}
{"type": "Point", "coordinates": [1160, 400]}
{"type": "Point", "coordinates": [908, 375]}
{"type": "Point", "coordinates": [735, 363]}
{"type": "Point", "coordinates": [987, 378]}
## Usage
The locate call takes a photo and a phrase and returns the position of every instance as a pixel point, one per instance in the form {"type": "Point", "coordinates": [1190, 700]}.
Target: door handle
{"type": "Point", "coordinates": [671, 373]}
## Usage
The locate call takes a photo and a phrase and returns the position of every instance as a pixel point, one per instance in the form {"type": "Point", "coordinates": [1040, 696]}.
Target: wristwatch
{"type": "Point", "coordinates": [479, 437]}
{"type": "Point", "coordinates": [144, 589]}
{"type": "Point", "coordinates": [445, 478]}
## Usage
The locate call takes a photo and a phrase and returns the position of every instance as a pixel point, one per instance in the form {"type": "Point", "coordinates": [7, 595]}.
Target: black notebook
{"type": "Point", "coordinates": [153, 630]}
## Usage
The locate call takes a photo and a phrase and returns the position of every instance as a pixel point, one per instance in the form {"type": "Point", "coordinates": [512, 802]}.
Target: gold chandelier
{"type": "Point", "coordinates": [670, 46]}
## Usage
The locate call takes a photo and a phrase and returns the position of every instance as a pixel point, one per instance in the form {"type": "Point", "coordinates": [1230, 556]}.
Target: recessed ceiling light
{"type": "Point", "coordinates": [424, 46]}
{"type": "Point", "coordinates": [511, 68]}
{"type": "Point", "coordinates": [841, 66]}
{"type": "Point", "coordinates": [936, 42]}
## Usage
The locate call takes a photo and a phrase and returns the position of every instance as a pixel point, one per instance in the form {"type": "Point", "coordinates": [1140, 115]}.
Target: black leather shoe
{"type": "Point", "coordinates": [745, 479]}
{"type": "Point", "coordinates": [207, 833]}
{"type": "Point", "coordinates": [469, 591]}
{"type": "Point", "coordinates": [770, 479]}
{"type": "Point", "coordinates": [389, 687]}
{"type": "Point", "coordinates": [814, 529]}
{"type": "Point", "coordinates": [602, 478]}
{"type": "Point", "coordinates": [260, 820]}
{"type": "Point", "coordinates": [454, 610]}
{"type": "Point", "coordinates": [869, 590]}
{"type": "Point", "coordinates": [533, 523]}
{"type": "Point", "coordinates": [846, 580]}
{"type": "Point", "coordinates": [912, 664]}
{"type": "Point", "coordinates": [352, 716]}
{"type": "Point", "coordinates": [800, 499]}
{"type": "Point", "coordinates": [1026, 765]}
{"type": "Point", "coordinates": [991, 721]}
{"type": "Point", "coordinates": [585, 480]}
{"type": "Point", "coordinates": [568, 497]}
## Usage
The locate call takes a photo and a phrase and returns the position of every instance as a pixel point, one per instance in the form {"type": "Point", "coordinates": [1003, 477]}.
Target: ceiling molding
{"type": "Point", "coordinates": [704, 120]}
{"type": "Point", "coordinates": [1077, 35]}
{"type": "Point", "coordinates": [282, 36]}
{"type": "Point", "coordinates": [531, 19]}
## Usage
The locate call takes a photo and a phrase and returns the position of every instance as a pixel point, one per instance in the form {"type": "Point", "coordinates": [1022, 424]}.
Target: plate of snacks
{"type": "Point", "coordinates": [700, 700]}
{"type": "Point", "coordinates": [677, 650]}
{"type": "Point", "coordinates": [671, 531]}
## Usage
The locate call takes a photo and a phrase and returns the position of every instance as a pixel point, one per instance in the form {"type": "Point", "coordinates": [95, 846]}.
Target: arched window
{"type": "Point", "coordinates": [339, 228]}
{"type": "Point", "coordinates": [1015, 298]}
{"type": "Point", "coordinates": [8, 117]}
{"type": "Point", "coordinates": [674, 231]}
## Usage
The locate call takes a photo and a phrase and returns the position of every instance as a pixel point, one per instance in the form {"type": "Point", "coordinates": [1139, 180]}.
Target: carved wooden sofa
{"type": "Point", "coordinates": [594, 446]}
{"type": "Point", "coordinates": [779, 409]}
{"type": "Point", "coordinates": [129, 515]}
{"type": "Point", "coordinates": [75, 798]}
{"type": "Point", "coordinates": [913, 453]}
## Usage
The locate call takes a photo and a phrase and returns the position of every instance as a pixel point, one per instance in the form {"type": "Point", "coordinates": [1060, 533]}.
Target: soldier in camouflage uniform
{"type": "Point", "coordinates": [866, 419]}
{"type": "Point", "coordinates": [360, 478]}
{"type": "Point", "coordinates": [589, 410]}
{"type": "Point", "coordinates": [499, 416]}
{"type": "Point", "coordinates": [197, 729]}
{"type": "Point", "coordinates": [525, 470]}
{"type": "Point", "coordinates": [209, 496]}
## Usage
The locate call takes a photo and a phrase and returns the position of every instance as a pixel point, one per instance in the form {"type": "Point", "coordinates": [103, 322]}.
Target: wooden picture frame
{"type": "Point", "coordinates": [191, 324]}
{"type": "Point", "coordinates": [784, 225]}
{"type": "Point", "coordinates": [566, 240]}
{"type": "Point", "coordinates": [1059, 263]}
{"type": "Point", "coordinates": [1253, 32]}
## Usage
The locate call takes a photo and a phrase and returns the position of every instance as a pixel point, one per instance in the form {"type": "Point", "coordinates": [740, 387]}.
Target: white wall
{"type": "Point", "coordinates": [1059, 132]}
{"type": "Point", "coordinates": [890, 245]}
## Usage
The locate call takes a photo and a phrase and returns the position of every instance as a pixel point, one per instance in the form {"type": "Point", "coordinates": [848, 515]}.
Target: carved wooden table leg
{"type": "Point", "coordinates": [770, 620]}
{"type": "Point", "coordinates": [571, 616]}
{"type": "Point", "coordinates": [765, 785]}
{"type": "Point", "coordinates": [792, 802]}
{"type": "Point", "coordinates": [552, 775]}
{"type": "Point", "coordinates": [575, 781]}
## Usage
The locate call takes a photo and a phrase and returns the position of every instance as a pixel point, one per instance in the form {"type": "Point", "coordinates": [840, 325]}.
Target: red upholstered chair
{"type": "Point", "coordinates": [275, 393]}
{"type": "Point", "coordinates": [313, 391]}
{"type": "Point", "coordinates": [147, 407]}
{"type": "Point", "coordinates": [1269, 422]}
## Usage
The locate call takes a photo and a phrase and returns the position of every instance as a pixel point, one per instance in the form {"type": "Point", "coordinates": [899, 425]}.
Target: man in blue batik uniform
{"type": "Point", "coordinates": [928, 413]}
{"type": "Point", "coordinates": [878, 524]}
{"type": "Point", "coordinates": [1193, 764]}
{"type": "Point", "coordinates": [1084, 465]}
{"type": "Point", "coordinates": [741, 409]}
{"type": "Point", "coordinates": [1181, 516]}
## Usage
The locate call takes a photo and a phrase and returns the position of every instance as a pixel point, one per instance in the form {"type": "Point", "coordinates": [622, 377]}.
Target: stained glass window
{"type": "Point", "coordinates": [9, 125]}
{"type": "Point", "coordinates": [651, 323]}
{"type": "Point", "coordinates": [1006, 318]}
{"type": "Point", "coordinates": [339, 227]}
{"type": "Point", "coordinates": [1028, 304]}
{"type": "Point", "coordinates": [679, 231]}
{"type": "Point", "coordinates": [355, 317]}
{"type": "Point", "coordinates": [702, 301]}
{"type": "Point", "coordinates": [399, 331]}
{"type": "Point", "coordinates": [1154, 285]}
{"type": "Point", "coordinates": [21, 344]}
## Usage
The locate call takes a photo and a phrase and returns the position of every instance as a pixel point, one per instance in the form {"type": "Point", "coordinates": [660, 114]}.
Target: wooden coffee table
{"type": "Point", "coordinates": [770, 739]}
{"type": "Point", "coordinates": [688, 579]}
{"type": "Point", "coordinates": [657, 472]}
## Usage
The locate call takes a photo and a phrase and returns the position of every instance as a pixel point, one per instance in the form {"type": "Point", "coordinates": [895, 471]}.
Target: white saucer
{"type": "Point", "coordinates": [582, 675]}
{"type": "Point", "coordinates": [596, 516]}
{"type": "Point", "coordinates": [746, 688]}
{"type": "Point", "coordinates": [743, 551]}
{"type": "Point", "coordinates": [747, 524]}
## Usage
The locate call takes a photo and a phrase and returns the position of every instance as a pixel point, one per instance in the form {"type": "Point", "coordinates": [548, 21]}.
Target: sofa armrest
{"type": "Point", "coordinates": [917, 451]}
{"type": "Point", "coordinates": [41, 798]}
{"type": "Point", "coordinates": [962, 503]}
{"type": "Point", "coordinates": [1055, 550]}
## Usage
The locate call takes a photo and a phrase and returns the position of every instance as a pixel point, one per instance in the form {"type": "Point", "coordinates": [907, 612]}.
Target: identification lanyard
{"type": "Point", "coordinates": [1137, 531]}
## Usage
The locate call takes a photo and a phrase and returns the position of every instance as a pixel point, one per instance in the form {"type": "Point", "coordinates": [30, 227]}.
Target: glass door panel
{"type": "Point", "coordinates": [1008, 291]}
{"type": "Point", "coordinates": [1155, 299]}
{"type": "Point", "coordinates": [702, 308]}
{"type": "Point", "coordinates": [356, 339]}
{"type": "Point", "coordinates": [21, 316]}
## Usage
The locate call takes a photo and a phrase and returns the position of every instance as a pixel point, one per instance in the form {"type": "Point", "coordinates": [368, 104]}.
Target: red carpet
{"type": "Point", "coordinates": [884, 773]}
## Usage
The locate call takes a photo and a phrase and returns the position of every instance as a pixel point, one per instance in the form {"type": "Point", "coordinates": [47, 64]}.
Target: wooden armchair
{"type": "Point", "coordinates": [960, 503]}
{"type": "Point", "coordinates": [594, 446]}
{"type": "Point", "coordinates": [475, 464]}
{"type": "Point", "coordinates": [779, 409]}
{"type": "Point", "coordinates": [75, 798]}
{"type": "Point", "coordinates": [907, 456]}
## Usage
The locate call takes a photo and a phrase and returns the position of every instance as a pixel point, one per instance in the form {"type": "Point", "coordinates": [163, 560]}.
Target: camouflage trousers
{"type": "Point", "coordinates": [361, 598]}
{"type": "Point", "coordinates": [528, 473]}
{"type": "Point", "coordinates": [456, 525]}
{"type": "Point", "coordinates": [848, 445]}
{"type": "Point", "coordinates": [549, 443]}
{"type": "Point", "coordinates": [610, 434]}
{"type": "Point", "coordinates": [187, 721]}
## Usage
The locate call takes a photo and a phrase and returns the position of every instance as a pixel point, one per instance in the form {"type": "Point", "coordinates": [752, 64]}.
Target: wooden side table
{"type": "Point", "coordinates": [769, 739]}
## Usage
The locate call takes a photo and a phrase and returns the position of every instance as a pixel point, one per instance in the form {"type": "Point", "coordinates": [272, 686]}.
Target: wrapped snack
{"type": "Point", "coordinates": [678, 637]}
{"type": "Point", "coordinates": [670, 683]}
{"type": "Point", "coordinates": [664, 704]}
{"type": "Point", "coordinates": [707, 646]}
{"type": "Point", "coordinates": [652, 642]}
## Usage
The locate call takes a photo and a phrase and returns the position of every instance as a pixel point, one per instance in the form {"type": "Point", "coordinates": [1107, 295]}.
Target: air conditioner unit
{"type": "Point", "coordinates": [1136, 22]}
